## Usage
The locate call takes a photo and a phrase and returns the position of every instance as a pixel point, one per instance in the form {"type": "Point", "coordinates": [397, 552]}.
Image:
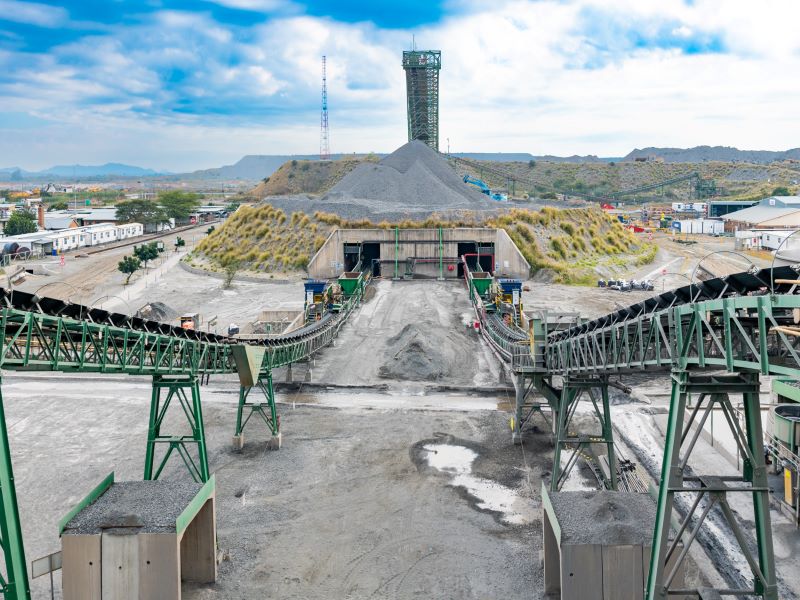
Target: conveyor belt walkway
{"type": "Point", "coordinates": [46, 334]}
{"type": "Point", "coordinates": [715, 338]}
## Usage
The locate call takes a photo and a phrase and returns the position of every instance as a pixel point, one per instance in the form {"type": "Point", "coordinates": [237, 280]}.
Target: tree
{"type": "Point", "coordinates": [781, 191]}
{"type": "Point", "coordinates": [129, 265]}
{"type": "Point", "coordinates": [531, 163]}
{"type": "Point", "coordinates": [142, 211]}
{"type": "Point", "coordinates": [59, 205]}
{"type": "Point", "coordinates": [178, 205]}
{"type": "Point", "coordinates": [231, 267]}
{"type": "Point", "coordinates": [146, 252]}
{"type": "Point", "coordinates": [20, 221]}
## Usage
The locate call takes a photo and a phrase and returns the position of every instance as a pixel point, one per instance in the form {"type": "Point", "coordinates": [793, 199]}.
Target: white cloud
{"type": "Point", "coordinates": [33, 13]}
{"type": "Point", "coordinates": [256, 5]}
{"type": "Point", "coordinates": [513, 79]}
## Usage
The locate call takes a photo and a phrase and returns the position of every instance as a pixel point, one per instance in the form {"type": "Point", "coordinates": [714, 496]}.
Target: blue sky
{"type": "Point", "coordinates": [185, 84]}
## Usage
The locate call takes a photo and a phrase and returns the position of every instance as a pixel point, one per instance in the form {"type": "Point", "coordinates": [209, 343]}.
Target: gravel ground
{"type": "Point", "coordinates": [382, 347]}
{"type": "Point", "coordinates": [346, 508]}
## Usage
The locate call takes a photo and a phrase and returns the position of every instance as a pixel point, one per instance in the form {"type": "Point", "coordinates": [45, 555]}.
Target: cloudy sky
{"type": "Point", "coordinates": [186, 84]}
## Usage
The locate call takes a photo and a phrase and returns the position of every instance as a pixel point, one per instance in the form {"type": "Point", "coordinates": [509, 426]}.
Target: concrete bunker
{"type": "Point", "coordinates": [597, 545]}
{"type": "Point", "coordinates": [418, 253]}
{"type": "Point", "coordinates": [139, 539]}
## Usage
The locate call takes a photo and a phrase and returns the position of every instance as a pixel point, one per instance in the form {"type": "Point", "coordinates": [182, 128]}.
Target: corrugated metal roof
{"type": "Point", "coordinates": [781, 201]}
{"type": "Point", "coordinates": [760, 213]}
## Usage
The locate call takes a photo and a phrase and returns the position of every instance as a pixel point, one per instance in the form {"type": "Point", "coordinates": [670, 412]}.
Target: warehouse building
{"type": "Point", "coordinates": [775, 212]}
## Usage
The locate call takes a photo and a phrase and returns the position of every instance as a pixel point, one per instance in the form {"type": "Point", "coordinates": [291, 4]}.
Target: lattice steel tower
{"type": "Point", "coordinates": [324, 134]}
{"type": "Point", "coordinates": [422, 92]}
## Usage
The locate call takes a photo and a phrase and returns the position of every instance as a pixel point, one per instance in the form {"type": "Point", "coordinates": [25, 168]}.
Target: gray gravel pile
{"type": "Point", "coordinates": [148, 506]}
{"type": "Point", "coordinates": [412, 182]}
{"type": "Point", "coordinates": [413, 354]}
{"type": "Point", "coordinates": [604, 517]}
{"type": "Point", "coordinates": [157, 311]}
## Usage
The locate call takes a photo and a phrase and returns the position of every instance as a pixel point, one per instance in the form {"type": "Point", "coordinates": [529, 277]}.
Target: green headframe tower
{"type": "Point", "coordinates": [422, 92]}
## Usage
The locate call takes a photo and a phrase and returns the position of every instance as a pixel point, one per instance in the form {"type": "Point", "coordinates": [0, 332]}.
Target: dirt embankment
{"type": "Point", "coordinates": [308, 176]}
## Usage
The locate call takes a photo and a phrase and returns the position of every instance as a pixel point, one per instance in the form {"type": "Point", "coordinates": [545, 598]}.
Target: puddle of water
{"type": "Point", "coordinates": [490, 495]}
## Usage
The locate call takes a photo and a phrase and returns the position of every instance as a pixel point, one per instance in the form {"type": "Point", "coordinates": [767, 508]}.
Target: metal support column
{"type": "Point", "coordinates": [525, 407]}
{"type": "Point", "coordinates": [14, 579]}
{"type": "Point", "coordinates": [266, 410]}
{"type": "Point", "coordinates": [176, 388]}
{"type": "Point", "coordinates": [571, 393]}
{"type": "Point", "coordinates": [441, 253]}
{"type": "Point", "coordinates": [712, 391]}
{"type": "Point", "coordinates": [396, 249]}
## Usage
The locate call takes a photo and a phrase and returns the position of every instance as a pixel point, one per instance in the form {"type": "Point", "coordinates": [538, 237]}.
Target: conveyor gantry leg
{"type": "Point", "coordinates": [176, 388]}
{"type": "Point", "coordinates": [712, 392]}
{"type": "Point", "coordinates": [266, 410]}
{"type": "Point", "coordinates": [14, 576]}
{"type": "Point", "coordinates": [571, 393]}
{"type": "Point", "coordinates": [525, 407]}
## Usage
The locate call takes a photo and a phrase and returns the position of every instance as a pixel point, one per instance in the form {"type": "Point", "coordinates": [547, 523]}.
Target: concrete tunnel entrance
{"type": "Point", "coordinates": [371, 256]}
{"type": "Point", "coordinates": [418, 253]}
{"type": "Point", "coordinates": [476, 254]}
{"type": "Point", "coordinates": [365, 254]}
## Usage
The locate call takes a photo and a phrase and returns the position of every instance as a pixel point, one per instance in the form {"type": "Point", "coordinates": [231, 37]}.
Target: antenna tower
{"type": "Point", "coordinates": [324, 134]}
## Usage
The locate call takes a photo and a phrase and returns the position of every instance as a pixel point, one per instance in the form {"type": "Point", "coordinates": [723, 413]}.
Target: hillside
{"type": "Point", "coordinates": [715, 153]}
{"type": "Point", "coordinates": [738, 180]}
{"type": "Point", "coordinates": [308, 176]}
{"type": "Point", "coordinates": [570, 246]}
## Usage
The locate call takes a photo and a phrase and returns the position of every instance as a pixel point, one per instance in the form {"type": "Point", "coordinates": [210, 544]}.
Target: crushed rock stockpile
{"type": "Point", "coordinates": [412, 182]}
{"type": "Point", "coordinates": [413, 354]}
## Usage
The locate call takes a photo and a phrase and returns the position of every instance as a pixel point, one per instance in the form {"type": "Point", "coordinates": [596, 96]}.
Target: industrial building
{"type": "Point", "coordinates": [775, 212]}
{"type": "Point", "coordinates": [720, 208]}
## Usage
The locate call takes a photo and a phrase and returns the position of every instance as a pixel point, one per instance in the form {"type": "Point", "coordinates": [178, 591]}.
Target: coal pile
{"type": "Point", "coordinates": [412, 182]}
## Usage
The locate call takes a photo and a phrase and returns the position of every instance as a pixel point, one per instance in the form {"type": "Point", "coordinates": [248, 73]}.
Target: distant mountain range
{"type": "Point", "coordinates": [715, 153]}
{"type": "Point", "coordinates": [255, 167]}
{"type": "Point", "coordinates": [80, 172]}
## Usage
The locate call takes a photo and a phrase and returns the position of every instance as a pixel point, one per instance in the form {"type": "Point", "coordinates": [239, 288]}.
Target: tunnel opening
{"type": "Point", "coordinates": [352, 254]}
{"type": "Point", "coordinates": [476, 254]}
{"type": "Point", "coordinates": [370, 257]}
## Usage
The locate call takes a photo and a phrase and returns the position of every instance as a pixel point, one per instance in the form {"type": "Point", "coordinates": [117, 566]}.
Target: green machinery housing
{"type": "Point", "coordinates": [422, 95]}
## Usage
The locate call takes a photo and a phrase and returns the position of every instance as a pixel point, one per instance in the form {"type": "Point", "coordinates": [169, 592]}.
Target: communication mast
{"type": "Point", "coordinates": [324, 135]}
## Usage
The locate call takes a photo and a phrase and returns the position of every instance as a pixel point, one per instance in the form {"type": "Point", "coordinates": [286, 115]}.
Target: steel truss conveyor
{"type": "Point", "coordinates": [46, 334]}
{"type": "Point", "coordinates": [715, 338]}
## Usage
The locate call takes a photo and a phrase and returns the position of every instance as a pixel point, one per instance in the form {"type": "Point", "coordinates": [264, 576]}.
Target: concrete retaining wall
{"type": "Point", "coordinates": [422, 244]}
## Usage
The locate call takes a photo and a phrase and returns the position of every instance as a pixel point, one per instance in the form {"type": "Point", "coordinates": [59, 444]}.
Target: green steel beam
{"type": "Point", "coordinates": [734, 334]}
{"type": "Point", "coordinates": [14, 581]}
